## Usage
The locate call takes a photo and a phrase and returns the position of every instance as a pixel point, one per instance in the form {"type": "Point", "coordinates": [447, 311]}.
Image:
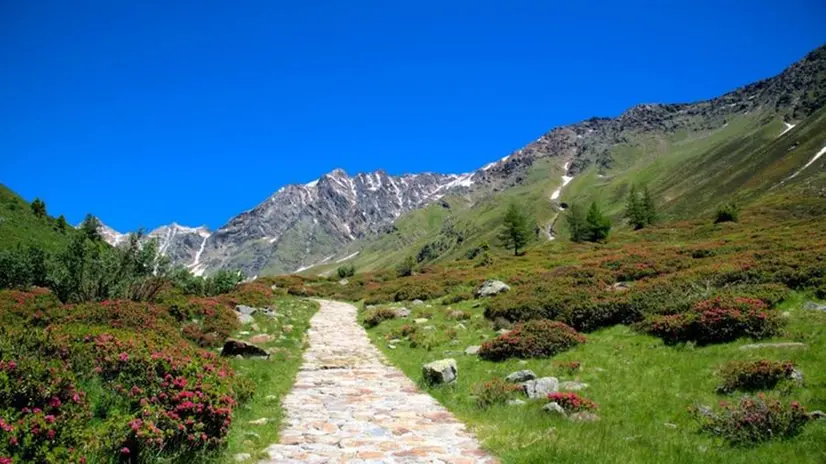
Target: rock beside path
{"type": "Point", "coordinates": [521, 376]}
{"type": "Point", "coordinates": [812, 306]}
{"type": "Point", "coordinates": [440, 372]}
{"type": "Point", "coordinates": [233, 347]}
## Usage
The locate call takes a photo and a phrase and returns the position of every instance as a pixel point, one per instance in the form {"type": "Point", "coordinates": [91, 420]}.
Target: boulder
{"type": "Point", "coordinates": [472, 350]}
{"type": "Point", "coordinates": [797, 377]}
{"type": "Point", "coordinates": [815, 415]}
{"type": "Point", "coordinates": [571, 385]}
{"type": "Point", "coordinates": [540, 388]}
{"type": "Point", "coordinates": [417, 302]}
{"type": "Point", "coordinates": [757, 346]}
{"type": "Point", "coordinates": [619, 287]}
{"type": "Point", "coordinates": [492, 287]}
{"type": "Point", "coordinates": [245, 318]}
{"type": "Point", "coordinates": [344, 282]}
{"type": "Point", "coordinates": [516, 403]}
{"type": "Point", "coordinates": [241, 457]}
{"type": "Point", "coordinates": [233, 347]}
{"type": "Point", "coordinates": [460, 326]}
{"type": "Point", "coordinates": [261, 421]}
{"type": "Point", "coordinates": [554, 408]}
{"type": "Point", "coordinates": [440, 372]}
{"type": "Point", "coordinates": [402, 312]}
{"type": "Point", "coordinates": [421, 320]}
{"type": "Point", "coordinates": [244, 309]}
{"type": "Point", "coordinates": [521, 376]}
{"type": "Point", "coordinates": [503, 331]}
{"type": "Point", "coordinates": [812, 306]}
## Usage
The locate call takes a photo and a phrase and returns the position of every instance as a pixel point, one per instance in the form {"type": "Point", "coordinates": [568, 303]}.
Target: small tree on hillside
{"type": "Point", "coordinates": [728, 212]}
{"type": "Point", "coordinates": [634, 210]}
{"type": "Point", "coordinates": [348, 270]}
{"type": "Point", "coordinates": [90, 228]}
{"type": "Point", "coordinates": [598, 225]}
{"type": "Point", "coordinates": [577, 227]}
{"type": "Point", "coordinates": [648, 207]}
{"type": "Point", "coordinates": [62, 225]}
{"type": "Point", "coordinates": [39, 208]}
{"type": "Point", "coordinates": [405, 268]}
{"type": "Point", "coordinates": [517, 230]}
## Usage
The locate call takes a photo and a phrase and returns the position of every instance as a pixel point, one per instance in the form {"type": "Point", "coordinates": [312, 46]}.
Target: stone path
{"type": "Point", "coordinates": [348, 405]}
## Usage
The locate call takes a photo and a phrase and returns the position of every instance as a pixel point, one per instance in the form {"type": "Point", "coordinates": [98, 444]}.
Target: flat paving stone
{"type": "Point", "coordinates": [349, 405]}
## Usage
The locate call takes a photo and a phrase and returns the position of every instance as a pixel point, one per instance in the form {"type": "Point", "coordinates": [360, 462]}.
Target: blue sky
{"type": "Point", "coordinates": [145, 113]}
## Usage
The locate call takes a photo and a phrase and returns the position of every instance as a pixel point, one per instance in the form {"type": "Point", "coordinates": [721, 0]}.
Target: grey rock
{"type": "Point", "coordinates": [492, 287]}
{"type": "Point", "coordinates": [521, 376]}
{"type": "Point", "coordinates": [540, 388]}
{"type": "Point", "coordinates": [241, 457]}
{"type": "Point", "coordinates": [797, 377]}
{"type": "Point", "coordinates": [417, 302]}
{"type": "Point", "coordinates": [261, 421]}
{"type": "Point", "coordinates": [781, 345]}
{"type": "Point", "coordinates": [440, 372]}
{"type": "Point", "coordinates": [503, 331]}
{"type": "Point", "coordinates": [815, 415]}
{"type": "Point", "coordinates": [620, 287]}
{"type": "Point", "coordinates": [571, 385]}
{"type": "Point", "coordinates": [460, 326]}
{"type": "Point", "coordinates": [402, 312]}
{"type": "Point", "coordinates": [670, 425]}
{"type": "Point", "coordinates": [554, 408]}
{"type": "Point", "coordinates": [344, 282]}
{"type": "Point", "coordinates": [245, 318]}
{"type": "Point", "coordinates": [472, 350]}
{"type": "Point", "coordinates": [516, 403]}
{"type": "Point", "coordinates": [421, 320]}
{"type": "Point", "coordinates": [244, 309]}
{"type": "Point", "coordinates": [812, 306]}
{"type": "Point", "coordinates": [584, 416]}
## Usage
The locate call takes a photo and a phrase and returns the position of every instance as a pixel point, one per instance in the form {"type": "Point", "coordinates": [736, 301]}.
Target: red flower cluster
{"type": "Point", "coordinates": [532, 339]}
{"type": "Point", "coordinates": [572, 402]}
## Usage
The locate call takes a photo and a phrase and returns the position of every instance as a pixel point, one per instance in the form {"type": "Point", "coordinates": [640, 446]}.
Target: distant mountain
{"type": "Point", "coordinates": [324, 221]}
{"type": "Point", "coordinates": [183, 245]}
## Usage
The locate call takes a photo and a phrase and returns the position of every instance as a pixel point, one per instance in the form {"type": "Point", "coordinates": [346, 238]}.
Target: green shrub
{"type": "Point", "coordinates": [348, 270]}
{"type": "Point", "coordinates": [728, 212]}
{"type": "Point", "coordinates": [763, 374]}
{"type": "Point", "coordinates": [753, 420]}
{"type": "Point", "coordinates": [376, 316]}
{"type": "Point", "coordinates": [532, 339]}
{"type": "Point", "coordinates": [492, 392]}
{"type": "Point", "coordinates": [457, 297]}
{"type": "Point", "coordinates": [405, 268]}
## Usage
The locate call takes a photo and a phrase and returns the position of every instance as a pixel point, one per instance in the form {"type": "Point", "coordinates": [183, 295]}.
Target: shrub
{"type": "Point", "coordinates": [419, 288]}
{"type": "Point", "coordinates": [715, 320]}
{"type": "Point", "coordinates": [754, 375]}
{"type": "Point", "coordinates": [405, 268]}
{"type": "Point", "coordinates": [376, 316]}
{"type": "Point", "coordinates": [532, 339]}
{"type": "Point", "coordinates": [494, 391]}
{"type": "Point", "coordinates": [458, 315]}
{"type": "Point", "coordinates": [570, 367]}
{"type": "Point", "coordinates": [457, 298]}
{"type": "Point", "coordinates": [572, 402]}
{"type": "Point", "coordinates": [753, 420]}
{"type": "Point", "coordinates": [346, 271]}
{"type": "Point", "coordinates": [406, 330]}
{"type": "Point", "coordinates": [728, 212]}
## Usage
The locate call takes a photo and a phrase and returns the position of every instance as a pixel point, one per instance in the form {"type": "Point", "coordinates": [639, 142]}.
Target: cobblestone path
{"type": "Point", "coordinates": [349, 405]}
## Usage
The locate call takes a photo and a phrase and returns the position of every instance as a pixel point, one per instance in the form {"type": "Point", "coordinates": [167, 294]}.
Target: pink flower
{"type": "Point", "coordinates": [124, 450]}
{"type": "Point", "coordinates": [55, 402]}
{"type": "Point", "coordinates": [11, 365]}
{"type": "Point", "coordinates": [50, 419]}
{"type": "Point", "coordinates": [124, 357]}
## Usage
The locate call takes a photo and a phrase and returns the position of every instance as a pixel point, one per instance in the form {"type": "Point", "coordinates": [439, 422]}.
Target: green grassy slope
{"type": "Point", "coordinates": [20, 227]}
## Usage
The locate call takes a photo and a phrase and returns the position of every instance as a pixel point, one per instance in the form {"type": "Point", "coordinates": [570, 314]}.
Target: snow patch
{"type": "Point", "coordinates": [788, 128]}
{"type": "Point", "coordinates": [311, 184]}
{"type": "Point", "coordinates": [197, 262]}
{"type": "Point", "coordinates": [565, 180]}
{"type": "Point", "coordinates": [811, 161]}
{"type": "Point", "coordinates": [346, 257]}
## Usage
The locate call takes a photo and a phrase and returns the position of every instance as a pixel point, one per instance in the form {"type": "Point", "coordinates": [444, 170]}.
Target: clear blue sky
{"type": "Point", "coordinates": [149, 112]}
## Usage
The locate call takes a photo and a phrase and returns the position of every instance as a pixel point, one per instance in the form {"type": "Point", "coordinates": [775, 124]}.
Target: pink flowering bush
{"type": "Point", "coordinates": [716, 320]}
{"type": "Point", "coordinates": [753, 420]}
{"type": "Point", "coordinates": [532, 339]}
{"type": "Point", "coordinates": [572, 402]}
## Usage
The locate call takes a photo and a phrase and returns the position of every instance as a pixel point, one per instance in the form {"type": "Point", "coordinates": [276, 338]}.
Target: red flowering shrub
{"type": "Point", "coordinates": [258, 294]}
{"type": "Point", "coordinates": [43, 413]}
{"type": "Point", "coordinates": [716, 320]}
{"type": "Point", "coordinates": [753, 420]}
{"type": "Point", "coordinates": [210, 322]}
{"type": "Point", "coordinates": [754, 375]}
{"type": "Point", "coordinates": [532, 339]}
{"type": "Point", "coordinates": [494, 391]}
{"type": "Point", "coordinates": [572, 402]}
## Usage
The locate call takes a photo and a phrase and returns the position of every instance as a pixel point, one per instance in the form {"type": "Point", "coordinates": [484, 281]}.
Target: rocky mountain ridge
{"type": "Point", "coordinates": [303, 225]}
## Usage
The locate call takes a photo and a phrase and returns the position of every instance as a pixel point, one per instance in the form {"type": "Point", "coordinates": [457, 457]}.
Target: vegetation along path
{"type": "Point", "coordinates": [349, 405]}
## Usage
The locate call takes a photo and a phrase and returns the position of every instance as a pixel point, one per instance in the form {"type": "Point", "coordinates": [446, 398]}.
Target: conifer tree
{"type": "Point", "coordinates": [577, 227]}
{"type": "Point", "coordinates": [634, 209]}
{"type": "Point", "coordinates": [598, 225]}
{"type": "Point", "coordinates": [516, 231]}
{"type": "Point", "coordinates": [648, 207]}
{"type": "Point", "coordinates": [39, 208]}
